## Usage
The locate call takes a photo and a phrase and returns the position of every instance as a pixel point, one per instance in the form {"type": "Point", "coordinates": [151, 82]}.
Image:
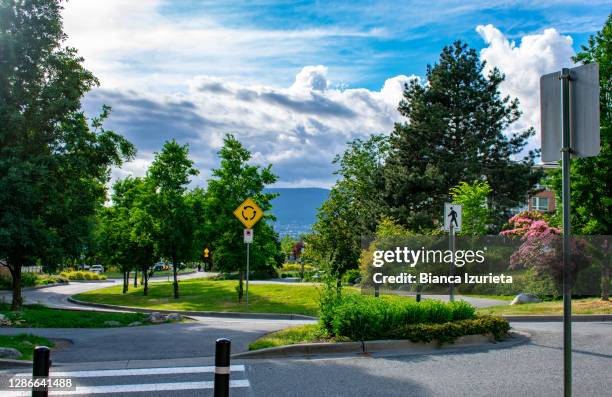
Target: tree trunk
{"type": "Point", "coordinates": [135, 277]}
{"type": "Point", "coordinates": [240, 287]}
{"type": "Point", "coordinates": [605, 280]}
{"type": "Point", "coordinates": [126, 282]}
{"type": "Point", "coordinates": [145, 275]}
{"type": "Point", "coordinates": [17, 302]}
{"type": "Point", "coordinates": [175, 275]}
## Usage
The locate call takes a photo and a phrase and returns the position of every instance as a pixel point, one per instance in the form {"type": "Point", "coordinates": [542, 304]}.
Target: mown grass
{"type": "Point", "coordinates": [25, 343]}
{"type": "Point", "coordinates": [291, 336]}
{"type": "Point", "coordinates": [212, 295]}
{"type": "Point", "coordinates": [38, 316]}
{"type": "Point", "coordinates": [579, 306]}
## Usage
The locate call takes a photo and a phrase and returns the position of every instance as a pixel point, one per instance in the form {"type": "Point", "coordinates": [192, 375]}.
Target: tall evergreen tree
{"type": "Point", "coordinates": [454, 132]}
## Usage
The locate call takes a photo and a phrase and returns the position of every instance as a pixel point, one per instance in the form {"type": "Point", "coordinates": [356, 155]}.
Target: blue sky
{"type": "Point", "coordinates": [293, 80]}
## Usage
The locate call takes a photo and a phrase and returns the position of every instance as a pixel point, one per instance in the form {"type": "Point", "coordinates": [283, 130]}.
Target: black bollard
{"type": "Point", "coordinates": [418, 293]}
{"type": "Point", "coordinates": [376, 291]}
{"type": "Point", "coordinates": [42, 362]}
{"type": "Point", "coordinates": [222, 367]}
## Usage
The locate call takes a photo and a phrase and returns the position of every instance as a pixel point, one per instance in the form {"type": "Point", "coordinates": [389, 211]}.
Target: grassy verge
{"type": "Point", "coordinates": [291, 336]}
{"type": "Point", "coordinates": [24, 343]}
{"type": "Point", "coordinates": [211, 295]}
{"type": "Point", "coordinates": [38, 316]}
{"type": "Point", "coordinates": [579, 306]}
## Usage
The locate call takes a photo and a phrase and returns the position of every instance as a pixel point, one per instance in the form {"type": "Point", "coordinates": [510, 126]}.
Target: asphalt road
{"type": "Point", "coordinates": [529, 369]}
{"type": "Point", "coordinates": [184, 352]}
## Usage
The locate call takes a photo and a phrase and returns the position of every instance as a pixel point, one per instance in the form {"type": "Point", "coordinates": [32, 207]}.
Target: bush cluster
{"type": "Point", "coordinates": [450, 331]}
{"type": "Point", "coordinates": [361, 317]}
{"type": "Point", "coordinates": [82, 275]}
{"type": "Point", "coordinates": [31, 280]}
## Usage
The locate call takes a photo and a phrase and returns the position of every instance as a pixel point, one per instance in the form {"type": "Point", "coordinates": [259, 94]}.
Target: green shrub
{"type": "Point", "coordinates": [450, 331]}
{"type": "Point", "coordinates": [82, 275]}
{"type": "Point", "coordinates": [350, 276]}
{"type": "Point", "coordinates": [360, 317]}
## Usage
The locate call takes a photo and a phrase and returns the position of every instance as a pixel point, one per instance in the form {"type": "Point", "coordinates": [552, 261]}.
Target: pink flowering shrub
{"type": "Point", "coordinates": [542, 248]}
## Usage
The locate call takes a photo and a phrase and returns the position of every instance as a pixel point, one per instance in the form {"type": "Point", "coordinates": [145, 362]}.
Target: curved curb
{"type": "Point", "coordinates": [9, 363]}
{"type": "Point", "coordinates": [381, 346]}
{"type": "Point", "coordinates": [92, 281]}
{"type": "Point", "coordinates": [559, 318]}
{"type": "Point", "coordinates": [268, 316]}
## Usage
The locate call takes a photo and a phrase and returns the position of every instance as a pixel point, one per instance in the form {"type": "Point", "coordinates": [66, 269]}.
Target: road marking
{"type": "Point", "coordinates": [150, 387]}
{"type": "Point", "coordinates": [137, 371]}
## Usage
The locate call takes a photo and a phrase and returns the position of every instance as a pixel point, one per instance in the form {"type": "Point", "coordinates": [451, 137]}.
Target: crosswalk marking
{"type": "Point", "coordinates": [146, 387]}
{"type": "Point", "coordinates": [137, 371]}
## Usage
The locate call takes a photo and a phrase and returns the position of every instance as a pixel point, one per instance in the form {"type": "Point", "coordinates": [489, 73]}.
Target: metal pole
{"type": "Point", "coordinates": [40, 368]}
{"type": "Point", "coordinates": [567, 282]}
{"type": "Point", "coordinates": [222, 367]}
{"type": "Point", "coordinates": [451, 247]}
{"type": "Point", "coordinates": [247, 278]}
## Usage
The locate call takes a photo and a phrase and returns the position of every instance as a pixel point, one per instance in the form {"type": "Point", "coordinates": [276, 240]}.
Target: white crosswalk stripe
{"type": "Point", "coordinates": [133, 388]}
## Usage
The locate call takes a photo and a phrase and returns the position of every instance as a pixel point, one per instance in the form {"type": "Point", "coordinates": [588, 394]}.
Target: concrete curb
{"type": "Point", "coordinates": [380, 346]}
{"type": "Point", "coordinates": [268, 316]}
{"type": "Point", "coordinates": [9, 363]}
{"type": "Point", "coordinates": [559, 318]}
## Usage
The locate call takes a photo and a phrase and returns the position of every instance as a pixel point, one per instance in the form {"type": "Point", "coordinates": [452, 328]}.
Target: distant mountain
{"type": "Point", "coordinates": [296, 208]}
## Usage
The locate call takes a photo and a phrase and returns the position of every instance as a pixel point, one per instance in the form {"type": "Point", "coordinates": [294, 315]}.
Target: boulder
{"type": "Point", "coordinates": [525, 298]}
{"type": "Point", "coordinates": [112, 323]}
{"type": "Point", "coordinates": [2, 317]}
{"type": "Point", "coordinates": [174, 317]}
{"type": "Point", "coordinates": [134, 324]}
{"type": "Point", "coordinates": [9, 352]}
{"type": "Point", "coordinates": [156, 317]}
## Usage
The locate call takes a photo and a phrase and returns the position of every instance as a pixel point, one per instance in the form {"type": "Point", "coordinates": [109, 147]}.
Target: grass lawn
{"type": "Point", "coordinates": [290, 336]}
{"type": "Point", "coordinates": [211, 295]}
{"type": "Point", "coordinates": [25, 343]}
{"type": "Point", "coordinates": [38, 316]}
{"type": "Point", "coordinates": [579, 306]}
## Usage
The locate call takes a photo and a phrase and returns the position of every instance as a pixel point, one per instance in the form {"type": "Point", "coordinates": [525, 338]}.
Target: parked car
{"type": "Point", "coordinates": [97, 269]}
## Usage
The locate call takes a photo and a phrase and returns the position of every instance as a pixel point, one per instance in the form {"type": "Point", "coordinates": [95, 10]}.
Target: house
{"type": "Point", "coordinates": [540, 199]}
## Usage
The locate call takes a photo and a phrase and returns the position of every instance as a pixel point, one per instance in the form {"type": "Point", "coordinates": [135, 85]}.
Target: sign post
{"type": "Point", "coordinates": [249, 213]}
{"type": "Point", "coordinates": [452, 222]}
{"type": "Point", "coordinates": [570, 98]}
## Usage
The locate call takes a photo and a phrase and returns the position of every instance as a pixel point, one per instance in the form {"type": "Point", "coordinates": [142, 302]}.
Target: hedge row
{"type": "Point", "coordinates": [360, 317]}
{"type": "Point", "coordinates": [449, 332]}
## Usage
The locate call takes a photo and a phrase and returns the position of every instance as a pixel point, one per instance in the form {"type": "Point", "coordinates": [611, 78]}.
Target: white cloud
{"type": "Point", "coordinates": [523, 64]}
{"type": "Point", "coordinates": [299, 129]}
{"type": "Point", "coordinates": [136, 43]}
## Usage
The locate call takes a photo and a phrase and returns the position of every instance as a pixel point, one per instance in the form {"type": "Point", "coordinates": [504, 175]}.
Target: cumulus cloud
{"type": "Point", "coordinates": [299, 129]}
{"type": "Point", "coordinates": [523, 64]}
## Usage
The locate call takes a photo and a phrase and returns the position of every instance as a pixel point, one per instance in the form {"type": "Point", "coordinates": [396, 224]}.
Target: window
{"type": "Point", "coordinates": [539, 203]}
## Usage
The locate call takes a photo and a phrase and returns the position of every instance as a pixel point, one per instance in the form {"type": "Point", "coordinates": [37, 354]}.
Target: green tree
{"type": "Point", "coordinates": [591, 177]}
{"type": "Point", "coordinates": [476, 213]}
{"type": "Point", "coordinates": [169, 175]}
{"type": "Point", "coordinates": [233, 182]}
{"type": "Point", "coordinates": [455, 132]}
{"type": "Point", "coordinates": [53, 165]}
{"type": "Point", "coordinates": [354, 207]}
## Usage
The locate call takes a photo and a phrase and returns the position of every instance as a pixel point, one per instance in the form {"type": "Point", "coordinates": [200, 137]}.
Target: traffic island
{"type": "Point", "coordinates": [386, 347]}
